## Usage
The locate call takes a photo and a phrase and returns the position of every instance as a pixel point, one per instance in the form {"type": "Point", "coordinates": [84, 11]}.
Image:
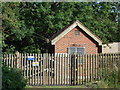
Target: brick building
{"type": "Point", "coordinates": [76, 38]}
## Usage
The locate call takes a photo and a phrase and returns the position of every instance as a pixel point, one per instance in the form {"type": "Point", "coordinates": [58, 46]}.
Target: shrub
{"type": "Point", "coordinates": [111, 78]}
{"type": "Point", "coordinates": [12, 79]}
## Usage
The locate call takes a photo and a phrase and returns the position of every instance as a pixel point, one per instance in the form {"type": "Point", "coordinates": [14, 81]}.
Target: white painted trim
{"type": "Point", "coordinates": [63, 33]}
{"type": "Point", "coordinates": [90, 34]}
{"type": "Point", "coordinates": [77, 23]}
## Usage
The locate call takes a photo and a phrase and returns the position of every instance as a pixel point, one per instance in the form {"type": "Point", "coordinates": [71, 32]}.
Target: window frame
{"type": "Point", "coordinates": [80, 61]}
{"type": "Point", "coordinates": [76, 49]}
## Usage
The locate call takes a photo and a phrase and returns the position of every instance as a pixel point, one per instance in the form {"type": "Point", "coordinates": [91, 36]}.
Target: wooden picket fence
{"type": "Point", "coordinates": [63, 69]}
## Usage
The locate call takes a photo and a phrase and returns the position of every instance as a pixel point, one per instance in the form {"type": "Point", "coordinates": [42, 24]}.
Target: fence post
{"type": "Point", "coordinates": [17, 59]}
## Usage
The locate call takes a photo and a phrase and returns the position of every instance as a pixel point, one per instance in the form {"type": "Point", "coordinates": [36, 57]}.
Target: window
{"type": "Point", "coordinates": [78, 50]}
{"type": "Point", "coordinates": [77, 32]}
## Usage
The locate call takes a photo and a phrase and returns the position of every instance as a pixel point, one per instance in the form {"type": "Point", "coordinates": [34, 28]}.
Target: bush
{"type": "Point", "coordinates": [12, 79]}
{"type": "Point", "coordinates": [111, 78]}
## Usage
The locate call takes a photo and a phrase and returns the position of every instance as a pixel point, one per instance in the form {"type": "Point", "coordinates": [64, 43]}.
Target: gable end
{"type": "Point", "coordinates": [80, 25]}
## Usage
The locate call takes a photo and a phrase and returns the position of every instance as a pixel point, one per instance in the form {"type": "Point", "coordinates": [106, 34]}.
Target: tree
{"type": "Point", "coordinates": [14, 29]}
{"type": "Point", "coordinates": [36, 22]}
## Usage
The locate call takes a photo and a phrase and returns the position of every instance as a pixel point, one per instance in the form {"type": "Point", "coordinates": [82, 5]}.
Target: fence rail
{"type": "Point", "coordinates": [62, 69]}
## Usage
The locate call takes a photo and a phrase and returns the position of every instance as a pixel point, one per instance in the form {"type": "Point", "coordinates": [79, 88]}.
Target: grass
{"type": "Point", "coordinates": [55, 86]}
{"type": "Point", "coordinates": [99, 84]}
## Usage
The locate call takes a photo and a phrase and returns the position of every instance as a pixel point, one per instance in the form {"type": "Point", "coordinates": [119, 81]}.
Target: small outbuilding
{"type": "Point", "coordinates": [76, 38]}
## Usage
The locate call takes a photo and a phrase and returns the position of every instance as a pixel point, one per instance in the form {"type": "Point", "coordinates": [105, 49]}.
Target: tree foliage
{"type": "Point", "coordinates": [27, 26]}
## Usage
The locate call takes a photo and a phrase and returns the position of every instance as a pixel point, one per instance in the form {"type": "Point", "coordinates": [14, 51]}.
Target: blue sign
{"type": "Point", "coordinates": [30, 58]}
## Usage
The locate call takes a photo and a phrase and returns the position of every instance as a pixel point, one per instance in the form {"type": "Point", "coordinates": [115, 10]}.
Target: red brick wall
{"type": "Point", "coordinates": [82, 40]}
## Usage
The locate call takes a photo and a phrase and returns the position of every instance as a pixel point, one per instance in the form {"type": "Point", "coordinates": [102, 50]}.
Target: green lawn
{"type": "Point", "coordinates": [55, 86]}
{"type": "Point", "coordinates": [98, 84]}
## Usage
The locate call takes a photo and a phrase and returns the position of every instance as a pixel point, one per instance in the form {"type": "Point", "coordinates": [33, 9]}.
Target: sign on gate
{"type": "Point", "coordinates": [35, 63]}
{"type": "Point", "coordinates": [30, 58]}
